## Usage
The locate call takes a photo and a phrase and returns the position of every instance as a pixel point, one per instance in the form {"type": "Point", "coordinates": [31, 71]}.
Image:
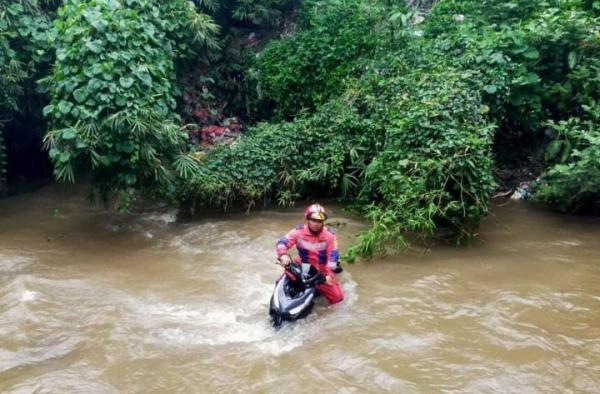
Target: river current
{"type": "Point", "coordinates": [92, 301]}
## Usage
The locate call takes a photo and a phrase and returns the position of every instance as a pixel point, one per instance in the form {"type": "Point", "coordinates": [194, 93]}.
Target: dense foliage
{"type": "Point", "coordinates": [284, 160]}
{"type": "Point", "coordinates": [573, 181]}
{"type": "Point", "coordinates": [335, 42]}
{"type": "Point", "coordinates": [402, 109]}
{"type": "Point", "coordinates": [23, 33]}
{"type": "Point", "coordinates": [539, 61]}
{"type": "Point", "coordinates": [408, 142]}
{"type": "Point", "coordinates": [113, 91]}
{"type": "Point", "coordinates": [432, 98]}
{"type": "Point", "coordinates": [100, 48]}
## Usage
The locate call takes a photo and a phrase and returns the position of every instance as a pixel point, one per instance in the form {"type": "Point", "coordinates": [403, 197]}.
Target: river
{"type": "Point", "coordinates": [93, 301]}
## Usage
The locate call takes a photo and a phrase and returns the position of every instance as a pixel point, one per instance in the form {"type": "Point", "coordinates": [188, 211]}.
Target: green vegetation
{"type": "Point", "coordinates": [539, 61]}
{"type": "Point", "coordinates": [113, 87]}
{"type": "Point", "coordinates": [401, 111]}
{"type": "Point", "coordinates": [113, 72]}
{"type": "Point", "coordinates": [334, 43]}
{"type": "Point", "coordinates": [23, 33]}
{"type": "Point", "coordinates": [431, 99]}
{"type": "Point", "coordinates": [284, 160]}
{"type": "Point", "coordinates": [573, 180]}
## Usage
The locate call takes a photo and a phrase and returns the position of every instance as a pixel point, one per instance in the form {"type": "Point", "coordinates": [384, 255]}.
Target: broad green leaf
{"type": "Point", "coordinates": [64, 107]}
{"type": "Point", "coordinates": [64, 157]}
{"type": "Point", "coordinates": [80, 95]}
{"type": "Point", "coordinates": [48, 109]}
{"type": "Point", "coordinates": [572, 59]}
{"type": "Point", "coordinates": [144, 77]}
{"type": "Point", "coordinates": [94, 46]}
{"type": "Point", "coordinates": [532, 54]}
{"type": "Point", "coordinates": [53, 153]}
{"type": "Point", "coordinates": [61, 54]}
{"type": "Point", "coordinates": [96, 69]}
{"type": "Point", "coordinates": [94, 85]}
{"type": "Point", "coordinates": [126, 82]}
{"type": "Point", "coordinates": [69, 134]}
{"type": "Point", "coordinates": [491, 89]}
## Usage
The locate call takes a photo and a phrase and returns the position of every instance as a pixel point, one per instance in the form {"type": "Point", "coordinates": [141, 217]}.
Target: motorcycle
{"type": "Point", "coordinates": [294, 293]}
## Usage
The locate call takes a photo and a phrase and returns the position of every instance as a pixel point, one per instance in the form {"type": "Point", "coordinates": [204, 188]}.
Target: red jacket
{"type": "Point", "coordinates": [319, 250]}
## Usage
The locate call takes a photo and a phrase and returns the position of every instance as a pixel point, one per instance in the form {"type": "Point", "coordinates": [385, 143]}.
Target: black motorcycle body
{"type": "Point", "coordinates": [294, 293]}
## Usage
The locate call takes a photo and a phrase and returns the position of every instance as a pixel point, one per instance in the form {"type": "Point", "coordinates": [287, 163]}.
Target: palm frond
{"type": "Point", "coordinates": [186, 166]}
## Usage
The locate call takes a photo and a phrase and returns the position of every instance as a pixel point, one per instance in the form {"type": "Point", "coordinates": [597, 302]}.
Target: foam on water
{"type": "Point", "coordinates": [242, 318]}
{"type": "Point", "coordinates": [206, 238]}
{"type": "Point", "coordinates": [29, 296]}
{"type": "Point", "coordinates": [39, 354]}
{"type": "Point", "coordinates": [161, 218]}
{"type": "Point", "coordinates": [407, 343]}
{"type": "Point", "coordinates": [77, 379]}
{"type": "Point", "coordinates": [14, 263]}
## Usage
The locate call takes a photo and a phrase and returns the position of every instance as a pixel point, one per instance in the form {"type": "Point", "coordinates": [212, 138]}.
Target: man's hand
{"type": "Point", "coordinates": [284, 260]}
{"type": "Point", "coordinates": [328, 280]}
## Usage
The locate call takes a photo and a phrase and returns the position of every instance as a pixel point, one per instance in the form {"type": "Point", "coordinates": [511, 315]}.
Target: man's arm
{"type": "Point", "coordinates": [285, 244]}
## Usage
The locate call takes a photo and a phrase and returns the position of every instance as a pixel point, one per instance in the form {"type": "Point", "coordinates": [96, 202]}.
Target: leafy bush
{"type": "Point", "coordinates": [262, 12]}
{"type": "Point", "coordinates": [538, 61]}
{"type": "Point", "coordinates": [406, 137]}
{"type": "Point", "coordinates": [113, 91]}
{"type": "Point", "coordinates": [308, 68]}
{"type": "Point", "coordinates": [435, 165]}
{"type": "Point", "coordinates": [573, 182]}
{"type": "Point", "coordinates": [423, 107]}
{"type": "Point", "coordinates": [319, 153]}
{"type": "Point", "coordinates": [23, 56]}
{"type": "Point", "coordinates": [23, 34]}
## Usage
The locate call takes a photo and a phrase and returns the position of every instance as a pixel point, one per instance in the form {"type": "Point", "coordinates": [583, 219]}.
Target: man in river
{"type": "Point", "coordinates": [316, 245]}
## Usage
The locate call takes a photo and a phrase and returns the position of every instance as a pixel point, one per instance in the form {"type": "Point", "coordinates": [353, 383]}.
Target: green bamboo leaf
{"type": "Point", "coordinates": [572, 59]}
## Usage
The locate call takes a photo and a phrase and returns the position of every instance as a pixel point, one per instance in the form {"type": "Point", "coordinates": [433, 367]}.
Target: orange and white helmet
{"type": "Point", "coordinates": [315, 212]}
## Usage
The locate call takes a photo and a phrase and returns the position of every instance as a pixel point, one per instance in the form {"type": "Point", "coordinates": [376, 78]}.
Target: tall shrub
{"type": "Point", "coordinates": [113, 91]}
{"type": "Point", "coordinates": [24, 27]}
{"type": "Point", "coordinates": [308, 68]}
{"type": "Point", "coordinates": [405, 138]}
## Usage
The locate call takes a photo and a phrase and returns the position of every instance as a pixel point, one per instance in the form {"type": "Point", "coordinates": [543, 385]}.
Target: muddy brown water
{"type": "Point", "coordinates": [97, 302]}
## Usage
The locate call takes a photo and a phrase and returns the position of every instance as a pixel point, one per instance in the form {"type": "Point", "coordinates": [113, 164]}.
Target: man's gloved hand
{"type": "Point", "coordinates": [284, 260]}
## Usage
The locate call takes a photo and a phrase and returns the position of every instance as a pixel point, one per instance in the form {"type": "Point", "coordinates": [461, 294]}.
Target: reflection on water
{"type": "Point", "coordinates": [96, 302]}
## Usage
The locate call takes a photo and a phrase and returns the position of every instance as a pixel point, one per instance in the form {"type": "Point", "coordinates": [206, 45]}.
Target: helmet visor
{"type": "Point", "coordinates": [317, 216]}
